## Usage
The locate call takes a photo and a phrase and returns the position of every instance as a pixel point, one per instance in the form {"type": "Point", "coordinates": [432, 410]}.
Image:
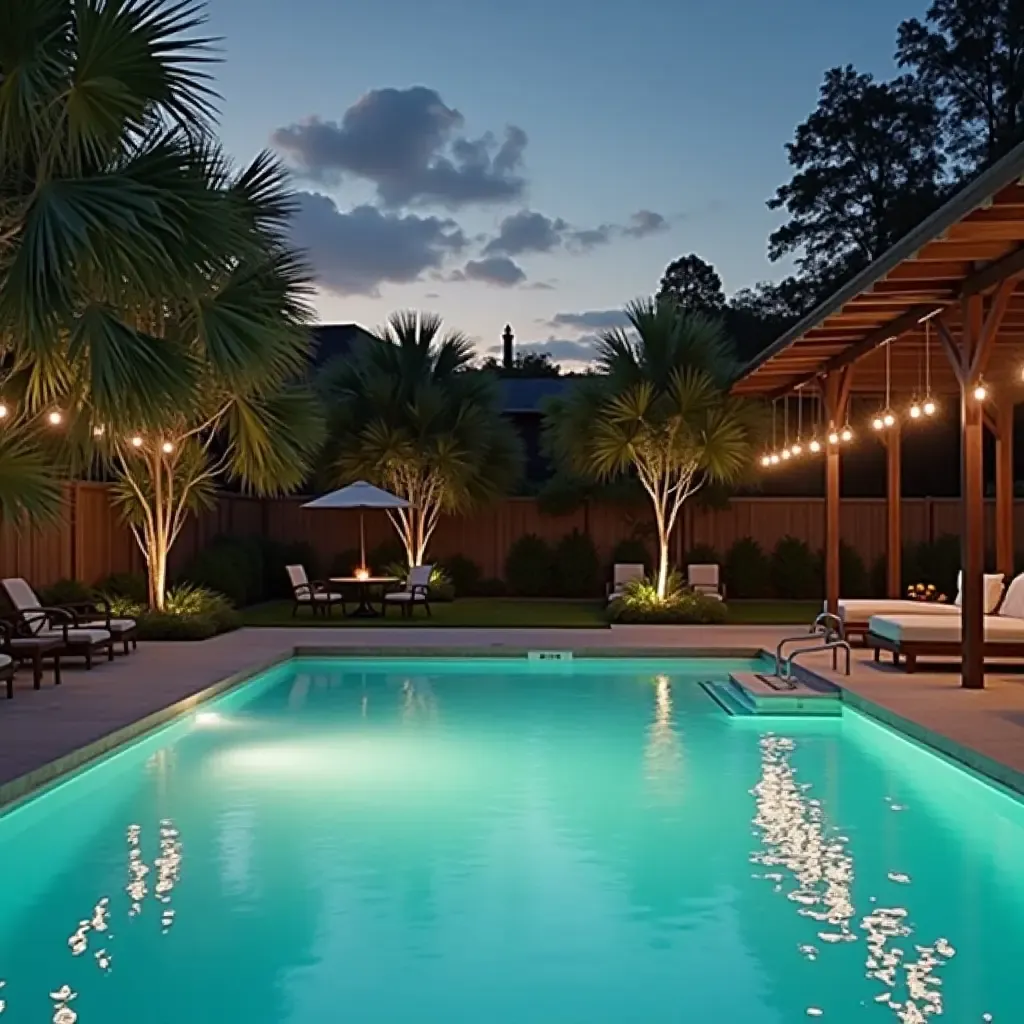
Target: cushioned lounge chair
{"type": "Point", "coordinates": [34, 619]}
{"type": "Point", "coordinates": [856, 613]}
{"type": "Point", "coordinates": [624, 573]}
{"type": "Point", "coordinates": [706, 580]}
{"type": "Point", "coordinates": [915, 636]}
{"type": "Point", "coordinates": [416, 591]}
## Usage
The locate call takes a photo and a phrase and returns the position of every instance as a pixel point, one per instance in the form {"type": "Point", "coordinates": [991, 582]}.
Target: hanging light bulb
{"type": "Point", "coordinates": [877, 423]}
{"type": "Point", "coordinates": [815, 445]}
{"type": "Point", "coordinates": [929, 407]}
{"type": "Point", "coordinates": [55, 418]}
{"type": "Point", "coordinates": [99, 430]}
{"type": "Point", "coordinates": [785, 455]}
{"type": "Point", "coordinates": [915, 411]}
{"type": "Point", "coordinates": [766, 461]}
{"type": "Point", "coordinates": [136, 441]}
{"type": "Point", "coordinates": [774, 459]}
{"type": "Point", "coordinates": [167, 447]}
{"type": "Point", "coordinates": [888, 419]}
{"type": "Point", "coordinates": [833, 437]}
{"type": "Point", "coordinates": [847, 434]}
{"type": "Point", "coordinates": [980, 392]}
{"type": "Point", "coordinates": [797, 449]}
{"type": "Point", "coordinates": [3, 411]}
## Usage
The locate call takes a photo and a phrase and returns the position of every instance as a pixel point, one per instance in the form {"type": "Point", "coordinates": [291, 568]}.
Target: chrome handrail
{"type": "Point", "coordinates": [785, 669]}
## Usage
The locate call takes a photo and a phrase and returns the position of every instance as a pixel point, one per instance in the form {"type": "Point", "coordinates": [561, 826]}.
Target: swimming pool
{"type": "Point", "coordinates": [495, 840]}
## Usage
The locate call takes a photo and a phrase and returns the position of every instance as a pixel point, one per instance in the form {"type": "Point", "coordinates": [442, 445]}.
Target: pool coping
{"type": "Point", "coordinates": [25, 787]}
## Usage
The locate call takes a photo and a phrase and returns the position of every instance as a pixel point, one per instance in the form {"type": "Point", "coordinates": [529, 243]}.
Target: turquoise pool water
{"type": "Point", "coordinates": [502, 842]}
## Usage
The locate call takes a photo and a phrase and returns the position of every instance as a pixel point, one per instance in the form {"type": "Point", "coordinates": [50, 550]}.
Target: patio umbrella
{"type": "Point", "coordinates": [362, 496]}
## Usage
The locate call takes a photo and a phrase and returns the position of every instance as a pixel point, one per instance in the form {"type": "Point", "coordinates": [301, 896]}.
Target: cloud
{"type": "Point", "coordinates": [498, 270]}
{"type": "Point", "coordinates": [590, 320]}
{"type": "Point", "coordinates": [408, 142]}
{"type": "Point", "coordinates": [644, 223]}
{"type": "Point", "coordinates": [354, 253]}
{"type": "Point", "coordinates": [530, 231]}
{"type": "Point", "coordinates": [527, 231]}
{"type": "Point", "coordinates": [575, 350]}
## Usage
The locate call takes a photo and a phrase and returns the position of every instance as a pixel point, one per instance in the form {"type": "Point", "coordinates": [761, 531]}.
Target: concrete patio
{"type": "Point", "coordinates": [46, 733]}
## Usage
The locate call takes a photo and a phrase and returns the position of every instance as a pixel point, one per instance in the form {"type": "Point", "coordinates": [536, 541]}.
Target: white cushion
{"type": "Point", "coordinates": [1013, 604]}
{"type": "Point", "coordinates": [993, 590]}
{"type": "Point", "coordinates": [116, 625]}
{"type": "Point", "coordinates": [405, 596]}
{"type": "Point", "coordinates": [5, 660]}
{"type": "Point", "coordinates": [860, 609]}
{"type": "Point", "coordinates": [702, 576]}
{"type": "Point", "coordinates": [297, 575]}
{"type": "Point", "coordinates": [77, 636]}
{"type": "Point", "coordinates": [626, 572]}
{"type": "Point", "coordinates": [941, 629]}
{"type": "Point", "coordinates": [322, 596]}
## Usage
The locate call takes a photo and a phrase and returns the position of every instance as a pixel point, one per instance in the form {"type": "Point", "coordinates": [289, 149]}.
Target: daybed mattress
{"type": "Point", "coordinates": [861, 609]}
{"type": "Point", "coordinates": [943, 629]}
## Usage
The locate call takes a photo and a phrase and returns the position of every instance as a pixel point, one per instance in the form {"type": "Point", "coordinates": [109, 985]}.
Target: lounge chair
{"type": "Point", "coordinates": [856, 613]}
{"type": "Point", "coordinates": [624, 573]}
{"type": "Point", "coordinates": [706, 580]}
{"type": "Point", "coordinates": [313, 594]}
{"type": "Point", "coordinates": [7, 662]}
{"type": "Point", "coordinates": [913, 636]}
{"type": "Point", "coordinates": [35, 620]}
{"type": "Point", "coordinates": [416, 591]}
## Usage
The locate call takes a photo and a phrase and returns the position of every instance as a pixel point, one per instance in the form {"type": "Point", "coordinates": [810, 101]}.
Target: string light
{"type": "Point", "coordinates": [167, 447]}
{"type": "Point", "coordinates": [888, 419]}
{"type": "Point", "coordinates": [915, 411]}
{"type": "Point", "coordinates": [847, 434]}
{"type": "Point", "coordinates": [798, 448]}
{"type": "Point", "coordinates": [785, 455]}
{"type": "Point", "coordinates": [929, 408]}
{"type": "Point", "coordinates": [774, 459]}
{"type": "Point", "coordinates": [136, 441]}
{"type": "Point", "coordinates": [833, 437]}
{"type": "Point", "coordinates": [980, 392]}
{"type": "Point", "coordinates": [98, 431]}
{"type": "Point", "coordinates": [3, 411]}
{"type": "Point", "coordinates": [815, 446]}
{"type": "Point", "coordinates": [766, 460]}
{"type": "Point", "coordinates": [877, 423]}
{"type": "Point", "coordinates": [55, 418]}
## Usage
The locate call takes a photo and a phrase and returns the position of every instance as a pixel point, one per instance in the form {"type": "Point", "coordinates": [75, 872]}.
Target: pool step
{"type": "Point", "coordinates": [749, 694]}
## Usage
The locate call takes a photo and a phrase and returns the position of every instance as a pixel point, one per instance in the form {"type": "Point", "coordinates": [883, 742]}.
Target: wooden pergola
{"type": "Point", "coordinates": [949, 289]}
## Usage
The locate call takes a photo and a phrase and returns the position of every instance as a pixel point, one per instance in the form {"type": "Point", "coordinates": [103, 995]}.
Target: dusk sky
{"type": "Point", "coordinates": [538, 163]}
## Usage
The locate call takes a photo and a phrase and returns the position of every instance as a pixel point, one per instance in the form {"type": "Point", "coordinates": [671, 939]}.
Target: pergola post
{"type": "Point", "coordinates": [893, 511]}
{"type": "Point", "coordinates": [969, 356]}
{"type": "Point", "coordinates": [836, 397]}
{"type": "Point", "coordinates": [1004, 484]}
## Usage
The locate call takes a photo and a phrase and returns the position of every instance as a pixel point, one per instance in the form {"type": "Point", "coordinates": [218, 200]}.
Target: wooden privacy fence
{"type": "Point", "coordinates": [91, 542]}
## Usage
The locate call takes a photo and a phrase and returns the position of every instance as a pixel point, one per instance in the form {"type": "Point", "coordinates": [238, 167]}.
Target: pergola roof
{"type": "Point", "coordinates": [968, 247]}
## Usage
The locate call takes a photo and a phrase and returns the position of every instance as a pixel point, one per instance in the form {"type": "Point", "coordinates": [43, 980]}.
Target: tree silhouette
{"type": "Point", "coordinates": [868, 168]}
{"type": "Point", "coordinates": [970, 55]}
{"type": "Point", "coordinates": [694, 285]}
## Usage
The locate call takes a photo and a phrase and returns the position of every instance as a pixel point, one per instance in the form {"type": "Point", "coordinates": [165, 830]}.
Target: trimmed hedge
{"type": "Point", "coordinates": [530, 567]}
{"type": "Point", "coordinates": [747, 570]}
{"type": "Point", "coordinates": [577, 567]}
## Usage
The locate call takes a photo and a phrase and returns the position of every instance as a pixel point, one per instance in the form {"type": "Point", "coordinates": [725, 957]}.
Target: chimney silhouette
{"type": "Point", "coordinates": [507, 338]}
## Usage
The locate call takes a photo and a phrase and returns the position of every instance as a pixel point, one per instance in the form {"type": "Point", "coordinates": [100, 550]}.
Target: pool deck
{"type": "Point", "coordinates": [46, 733]}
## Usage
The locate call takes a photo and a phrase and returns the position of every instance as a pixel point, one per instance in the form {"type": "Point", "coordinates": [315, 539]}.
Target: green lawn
{"type": "Point", "coordinates": [500, 612]}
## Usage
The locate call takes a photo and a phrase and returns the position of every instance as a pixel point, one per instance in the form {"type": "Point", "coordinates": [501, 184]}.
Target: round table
{"type": "Point", "coordinates": [364, 610]}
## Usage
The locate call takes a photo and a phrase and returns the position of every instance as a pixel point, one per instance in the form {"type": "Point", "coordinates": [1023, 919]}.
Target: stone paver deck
{"type": "Point", "coordinates": [48, 732]}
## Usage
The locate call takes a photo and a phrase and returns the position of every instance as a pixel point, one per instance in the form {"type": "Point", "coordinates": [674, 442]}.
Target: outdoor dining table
{"type": "Point", "coordinates": [364, 610]}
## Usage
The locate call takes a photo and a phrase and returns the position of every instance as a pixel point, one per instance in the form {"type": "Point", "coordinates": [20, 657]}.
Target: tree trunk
{"type": "Point", "coordinates": [156, 563]}
{"type": "Point", "coordinates": [662, 563]}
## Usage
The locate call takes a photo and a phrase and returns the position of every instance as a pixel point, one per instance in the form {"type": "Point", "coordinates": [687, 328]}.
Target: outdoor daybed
{"type": "Point", "coordinates": [913, 636]}
{"type": "Point", "coordinates": [856, 613]}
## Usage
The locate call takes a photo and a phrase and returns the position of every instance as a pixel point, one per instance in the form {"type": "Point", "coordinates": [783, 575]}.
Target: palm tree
{"type": "Point", "coordinates": [149, 304]}
{"type": "Point", "coordinates": [410, 414]}
{"type": "Point", "coordinates": [658, 410]}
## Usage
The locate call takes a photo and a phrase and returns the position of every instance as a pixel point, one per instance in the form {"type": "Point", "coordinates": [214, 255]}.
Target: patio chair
{"type": "Point", "coordinates": [706, 579]}
{"type": "Point", "coordinates": [856, 613]}
{"type": "Point", "coordinates": [313, 594]}
{"type": "Point", "coordinates": [36, 620]}
{"type": "Point", "coordinates": [6, 661]}
{"type": "Point", "coordinates": [416, 591]}
{"type": "Point", "coordinates": [913, 636]}
{"type": "Point", "coordinates": [624, 573]}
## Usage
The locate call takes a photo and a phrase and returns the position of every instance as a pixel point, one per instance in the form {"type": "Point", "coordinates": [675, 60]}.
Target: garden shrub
{"type": "Point", "coordinates": [129, 585]}
{"type": "Point", "coordinates": [747, 570]}
{"type": "Point", "coordinates": [631, 551]}
{"type": "Point", "coordinates": [465, 574]}
{"type": "Point", "coordinates": [853, 574]}
{"type": "Point", "coordinates": [795, 570]}
{"type": "Point", "coordinates": [492, 588]}
{"type": "Point", "coordinates": [385, 553]}
{"type": "Point", "coordinates": [639, 604]}
{"type": "Point", "coordinates": [190, 613]}
{"type": "Point", "coordinates": [529, 566]}
{"type": "Point", "coordinates": [345, 563]}
{"type": "Point", "coordinates": [65, 591]}
{"type": "Point", "coordinates": [233, 566]}
{"type": "Point", "coordinates": [577, 568]}
{"type": "Point", "coordinates": [879, 572]}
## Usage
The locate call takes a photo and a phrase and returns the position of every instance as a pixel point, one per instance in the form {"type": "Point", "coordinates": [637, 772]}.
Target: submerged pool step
{"type": "Point", "coordinates": [749, 694]}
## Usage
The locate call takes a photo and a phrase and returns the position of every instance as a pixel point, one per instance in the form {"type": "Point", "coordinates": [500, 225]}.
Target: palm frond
{"type": "Point", "coordinates": [30, 488]}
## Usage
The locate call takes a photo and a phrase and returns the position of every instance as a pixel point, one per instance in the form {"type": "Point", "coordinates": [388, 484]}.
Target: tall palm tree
{"type": "Point", "coordinates": [149, 304]}
{"type": "Point", "coordinates": [409, 413]}
{"type": "Point", "coordinates": [658, 409]}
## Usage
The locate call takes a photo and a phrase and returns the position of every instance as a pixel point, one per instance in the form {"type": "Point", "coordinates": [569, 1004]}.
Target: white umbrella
{"type": "Point", "coordinates": [360, 495]}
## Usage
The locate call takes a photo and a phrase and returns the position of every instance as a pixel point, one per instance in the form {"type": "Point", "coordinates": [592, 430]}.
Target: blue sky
{"type": "Point", "coordinates": [641, 130]}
